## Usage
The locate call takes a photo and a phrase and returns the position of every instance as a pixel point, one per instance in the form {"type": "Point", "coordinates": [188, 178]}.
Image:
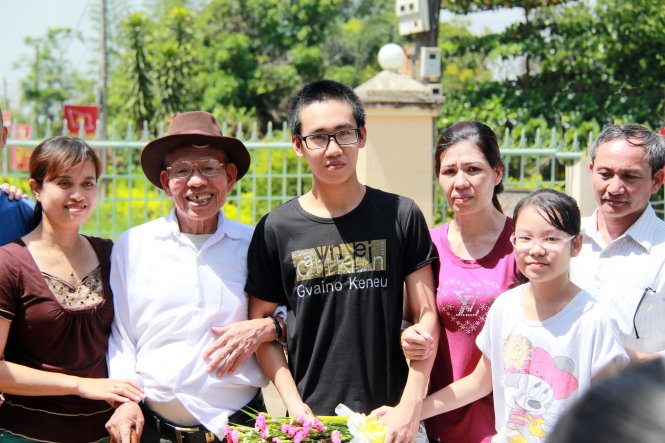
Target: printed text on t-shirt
{"type": "Point", "coordinates": [346, 258]}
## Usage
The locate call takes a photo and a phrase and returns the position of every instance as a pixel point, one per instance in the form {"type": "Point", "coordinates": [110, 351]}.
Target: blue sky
{"type": "Point", "coordinates": [31, 18]}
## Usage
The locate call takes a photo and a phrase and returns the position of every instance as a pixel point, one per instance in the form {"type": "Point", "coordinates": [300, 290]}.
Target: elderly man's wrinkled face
{"type": "Point", "coordinates": [198, 179]}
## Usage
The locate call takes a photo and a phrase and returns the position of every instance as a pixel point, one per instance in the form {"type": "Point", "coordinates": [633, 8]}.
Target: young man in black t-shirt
{"type": "Point", "coordinates": [339, 257]}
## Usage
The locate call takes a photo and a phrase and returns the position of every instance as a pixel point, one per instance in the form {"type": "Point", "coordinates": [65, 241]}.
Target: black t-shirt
{"type": "Point", "coordinates": [342, 281]}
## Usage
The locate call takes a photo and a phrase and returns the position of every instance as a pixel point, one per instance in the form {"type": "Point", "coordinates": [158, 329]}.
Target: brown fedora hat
{"type": "Point", "coordinates": [192, 128]}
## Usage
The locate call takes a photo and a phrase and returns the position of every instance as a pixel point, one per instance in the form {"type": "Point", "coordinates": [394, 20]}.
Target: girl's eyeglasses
{"type": "Point", "coordinates": [549, 243]}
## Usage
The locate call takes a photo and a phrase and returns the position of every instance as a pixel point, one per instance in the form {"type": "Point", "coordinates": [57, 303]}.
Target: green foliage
{"type": "Point", "coordinates": [50, 82]}
{"type": "Point", "coordinates": [140, 103]}
{"type": "Point", "coordinates": [583, 66]}
{"type": "Point", "coordinates": [175, 62]}
{"type": "Point", "coordinates": [466, 6]}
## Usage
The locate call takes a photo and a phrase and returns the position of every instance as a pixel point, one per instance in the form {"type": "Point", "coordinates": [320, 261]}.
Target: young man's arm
{"type": "Point", "coordinates": [273, 362]}
{"type": "Point", "coordinates": [402, 420]}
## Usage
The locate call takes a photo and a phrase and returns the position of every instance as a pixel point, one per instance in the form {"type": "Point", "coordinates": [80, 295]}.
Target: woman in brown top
{"type": "Point", "coordinates": [56, 308]}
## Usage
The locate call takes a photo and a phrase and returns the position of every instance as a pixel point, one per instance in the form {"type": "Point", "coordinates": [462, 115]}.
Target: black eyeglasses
{"type": "Point", "coordinates": [320, 141]}
{"type": "Point", "coordinates": [646, 292]}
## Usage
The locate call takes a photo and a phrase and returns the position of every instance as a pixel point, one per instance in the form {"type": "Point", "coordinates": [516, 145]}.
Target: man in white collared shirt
{"type": "Point", "coordinates": [176, 278]}
{"type": "Point", "coordinates": [623, 254]}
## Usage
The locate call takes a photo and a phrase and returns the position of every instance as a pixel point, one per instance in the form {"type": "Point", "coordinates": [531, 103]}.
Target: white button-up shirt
{"type": "Point", "coordinates": [167, 295]}
{"type": "Point", "coordinates": [626, 276]}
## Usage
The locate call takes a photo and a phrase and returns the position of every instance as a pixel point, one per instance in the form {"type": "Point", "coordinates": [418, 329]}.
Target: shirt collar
{"type": "Point", "coordinates": [639, 231]}
{"type": "Point", "coordinates": [168, 227]}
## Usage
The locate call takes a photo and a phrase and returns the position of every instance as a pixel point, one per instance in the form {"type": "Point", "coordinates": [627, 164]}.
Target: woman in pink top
{"type": "Point", "coordinates": [476, 265]}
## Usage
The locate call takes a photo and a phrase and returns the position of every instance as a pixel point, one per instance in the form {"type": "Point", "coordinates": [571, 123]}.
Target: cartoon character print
{"type": "Point", "coordinates": [536, 383]}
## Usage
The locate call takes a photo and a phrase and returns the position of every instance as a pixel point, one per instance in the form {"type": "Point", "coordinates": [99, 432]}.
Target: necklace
{"type": "Point", "coordinates": [70, 270]}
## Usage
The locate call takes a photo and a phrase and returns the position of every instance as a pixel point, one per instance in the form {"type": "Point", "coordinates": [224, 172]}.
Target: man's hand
{"type": "Point", "coordinates": [110, 390]}
{"type": "Point", "coordinates": [126, 418]}
{"type": "Point", "coordinates": [417, 343]}
{"type": "Point", "coordinates": [401, 423]}
{"type": "Point", "coordinates": [13, 193]}
{"type": "Point", "coordinates": [237, 342]}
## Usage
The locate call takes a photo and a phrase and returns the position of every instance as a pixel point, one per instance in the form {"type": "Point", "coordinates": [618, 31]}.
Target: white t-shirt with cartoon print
{"type": "Point", "coordinates": [540, 368]}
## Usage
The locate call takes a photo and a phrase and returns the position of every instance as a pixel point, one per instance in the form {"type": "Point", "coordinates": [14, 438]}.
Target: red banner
{"type": "Point", "coordinates": [75, 115]}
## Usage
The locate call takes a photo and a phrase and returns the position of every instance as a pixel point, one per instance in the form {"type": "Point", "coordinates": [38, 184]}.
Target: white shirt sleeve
{"type": "Point", "coordinates": [121, 356]}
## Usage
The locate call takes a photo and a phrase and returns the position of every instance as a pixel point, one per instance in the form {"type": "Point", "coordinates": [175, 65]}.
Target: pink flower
{"type": "Point", "coordinates": [227, 432]}
{"type": "Point", "coordinates": [285, 428]}
{"type": "Point", "coordinates": [318, 425]}
{"type": "Point", "coordinates": [293, 430]}
{"type": "Point", "coordinates": [300, 418]}
{"type": "Point", "coordinates": [336, 437]}
{"type": "Point", "coordinates": [276, 440]}
{"type": "Point", "coordinates": [301, 435]}
{"type": "Point", "coordinates": [264, 434]}
{"type": "Point", "coordinates": [261, 422]}
{"type": "Point", "coordinates": [234, 436]}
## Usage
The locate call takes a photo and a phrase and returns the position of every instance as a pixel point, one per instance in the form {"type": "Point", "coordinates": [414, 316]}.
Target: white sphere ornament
{"type": "Point", "coordinates": [391, 57]}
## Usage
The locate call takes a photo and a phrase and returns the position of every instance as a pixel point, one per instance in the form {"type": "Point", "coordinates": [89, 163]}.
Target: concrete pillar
{"type": "Point", "coordinates": [401, 131]}
{"type": "Point", "coordinates": [578, 185]}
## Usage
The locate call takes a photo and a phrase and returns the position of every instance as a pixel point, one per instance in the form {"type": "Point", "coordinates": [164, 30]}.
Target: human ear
{"type": "Point", "coordinates": [362, 138]}
{"type": "Point", "coordinates": [576, 245]}
{"type": "Point", "coordinates": [499, 175]}
{"type": "Point", "coordinates": [657, 180]}
{"type": "Point", "coordinates": [298, 146]}
{"type": "Point", "coordinates": [164, 180]}
{"type": "Point", "coordinates": [231, 175]}
{"type": "Point", "coordinates": [34, 187]}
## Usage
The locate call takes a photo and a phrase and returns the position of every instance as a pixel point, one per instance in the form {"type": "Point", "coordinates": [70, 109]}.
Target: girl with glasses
{"type": "Point", "coordinates": [56, 308]}
{"type": "Point", "coordinates": [545, 341]}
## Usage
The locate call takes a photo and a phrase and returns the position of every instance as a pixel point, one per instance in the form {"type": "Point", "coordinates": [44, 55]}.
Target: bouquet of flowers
{"type": "Point", "coordinates": [355, 428]}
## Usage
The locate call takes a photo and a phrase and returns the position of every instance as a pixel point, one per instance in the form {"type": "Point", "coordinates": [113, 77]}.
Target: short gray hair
{"type": "Point", "coordinates": [638, 136]}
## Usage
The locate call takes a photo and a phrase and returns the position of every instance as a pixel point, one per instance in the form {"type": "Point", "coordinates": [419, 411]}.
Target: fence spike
{"type": "Point", "coordinates": [522, 143]}
{"type": "Point", "coordinates": [553, 141]}
{"type": "Point", "coordinates": [506, 139]}
{"type": "Point", "coordinates": [269, 131]}
{"type": "Point", "coordinates": [98, 130]}
{"type": "Point", "coordinates": [576, 142]}
{"type": "Point", "coordinates": [82, 129]}
{"type": "Point", "coordinates": [114, 134]}
{"type": "Point", "coordinates": [239, 131]}
{"type": "Point", "coordinates": [144, 131]}
{"type": "Point", "coordinates": [255, 132]}
{"type": "Point", "coordinates": [64, 128]}
{"type": "Point", "coordinates": [591, 137]}
{"type": "Point", "coordinates": [130, 131]}
{"type": "Point", "coordinates": [225, 128]}
{"type": "Point", "coordinates": [47, 133]}
{"type": "Point", "coordinates": [537, 143]}
{"type": "Point", "coordinates": [285, 131]}
{"type": "Point", "coordinates": [161, 128]}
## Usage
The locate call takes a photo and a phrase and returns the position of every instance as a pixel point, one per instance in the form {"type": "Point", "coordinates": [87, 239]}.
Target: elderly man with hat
{"type": "Point", "coordinates": [177, 282]}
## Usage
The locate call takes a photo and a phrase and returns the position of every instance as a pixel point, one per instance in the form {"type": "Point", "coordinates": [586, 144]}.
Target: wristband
{"type": "Point", "coordinates": [278, 327]}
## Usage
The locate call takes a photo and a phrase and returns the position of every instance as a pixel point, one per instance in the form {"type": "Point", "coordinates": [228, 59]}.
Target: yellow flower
{"type": "Point", "coordinates": [366, 429]}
